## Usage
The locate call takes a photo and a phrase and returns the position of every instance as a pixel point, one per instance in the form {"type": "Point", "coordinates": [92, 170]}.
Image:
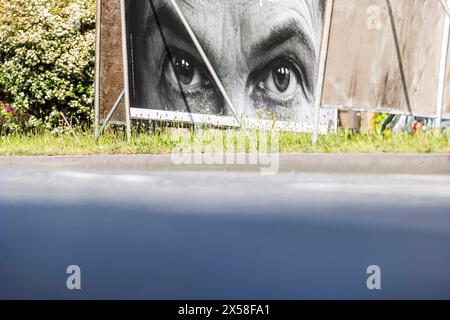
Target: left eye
{"type": "Point", "coordinates": [280, 80]}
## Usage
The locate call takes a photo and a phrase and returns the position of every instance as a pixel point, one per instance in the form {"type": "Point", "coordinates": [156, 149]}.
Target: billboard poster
{"type": "Point", "coordinates": [221, 61]}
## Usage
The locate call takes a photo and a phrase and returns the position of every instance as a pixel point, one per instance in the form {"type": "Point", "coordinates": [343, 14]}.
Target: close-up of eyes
{"type": "Point", "coordinates": [274, 88]}
{"type": "Point", "coordinates": [275, 84]}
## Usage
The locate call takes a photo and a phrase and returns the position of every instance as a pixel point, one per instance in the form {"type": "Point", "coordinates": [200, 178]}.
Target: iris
{"type": "Point", "coordinates": [184, 69]}
{"type": "Point", "coordinates": [282, 77]}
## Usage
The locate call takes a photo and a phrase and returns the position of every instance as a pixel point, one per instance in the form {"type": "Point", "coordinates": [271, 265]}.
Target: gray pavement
{"type": "Point", "coordinates": [428, 164]}
{"type": "Point", "coordinates": [202, 234]}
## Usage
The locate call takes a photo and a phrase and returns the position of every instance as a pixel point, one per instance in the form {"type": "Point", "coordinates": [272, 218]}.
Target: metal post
{"type": "Point", "coordinates": [443, 67]}
{"type": "Point", "coordinates": [322, 67]}
{"type": "Point", "coordinates": [125, 70]}
{"type": "Point", "coordinates": [97, 69]}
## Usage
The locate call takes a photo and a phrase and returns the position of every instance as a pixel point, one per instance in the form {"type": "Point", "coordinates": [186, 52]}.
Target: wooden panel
{"type": "Point", "coordinates": [111, 65]}
{"type": "Point", "coordinates": [446, 111]}
{"type": "Point", "coordinates": [384, 55]}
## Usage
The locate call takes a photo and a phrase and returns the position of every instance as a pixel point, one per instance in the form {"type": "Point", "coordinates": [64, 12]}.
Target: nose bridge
{"type": "Point", "coordinates": [233, 66]}
{"type": "Point", "coordinates": [235, 88]}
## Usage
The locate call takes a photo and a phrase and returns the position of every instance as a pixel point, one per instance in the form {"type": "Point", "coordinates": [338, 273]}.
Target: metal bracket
{"type": "Point", "coordinates": [110, 115]}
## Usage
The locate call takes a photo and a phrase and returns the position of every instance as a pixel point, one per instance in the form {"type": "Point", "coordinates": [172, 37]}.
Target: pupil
{"type": "Point", "coordinates": [282, 78]}
{"type": "Point", "coordinates": [184, 70]}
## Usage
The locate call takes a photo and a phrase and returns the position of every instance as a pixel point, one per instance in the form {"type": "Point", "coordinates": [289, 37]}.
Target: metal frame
{"type": "Point", "coordinates": [182, 117]}
{"type": "Point", "coordinates": [235, 121]}
{"type": "Point", "coordinates": [222, 121]}
{"type": "Point", "coordinates": [443, 65]}
{"type": "Point", "coordinates": [97, 69]}
{"type": "Point", "coordinates": [125, 70]}
{"type": "Point", "coordinates": [109, 116]}
{"type": "Point", "coordinates": [322, 68]}
{"type": "Point", "coordinates": [381, 110]}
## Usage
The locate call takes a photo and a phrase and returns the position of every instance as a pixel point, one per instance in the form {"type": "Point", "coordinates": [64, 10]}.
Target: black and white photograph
{"type": "Point", "coordinates": [263, 57]}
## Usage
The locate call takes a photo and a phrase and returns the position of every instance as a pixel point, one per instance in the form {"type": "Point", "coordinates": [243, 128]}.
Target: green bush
{"type": "Point", "coordinates": [47, 60]}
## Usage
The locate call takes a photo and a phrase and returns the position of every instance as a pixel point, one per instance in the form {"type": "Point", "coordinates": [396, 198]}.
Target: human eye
{"type": "Point", "coordinates": [279, 80]}
{"type": "Point", "coordinates": [182, 73]}
{"type": "Point", "coordinates": [187, 72]}
{"type": "Point", "coordinates": [277, 86]}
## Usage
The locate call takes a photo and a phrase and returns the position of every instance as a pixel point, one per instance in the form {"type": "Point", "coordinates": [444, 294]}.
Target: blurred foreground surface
{"type": "Point", "coordinates": [214, 235]}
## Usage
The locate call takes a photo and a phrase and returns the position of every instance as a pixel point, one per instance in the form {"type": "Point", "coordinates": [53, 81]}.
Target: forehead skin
{"type": "Point", "coordinates": [250, 19]}
{"type": "Point", "coordinates": [228, 29]}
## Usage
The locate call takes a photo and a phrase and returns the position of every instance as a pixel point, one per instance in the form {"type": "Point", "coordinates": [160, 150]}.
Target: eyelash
{"type": "Point", "coordinates": [271, 99]}
{"type": "Point", "coordinates": [173, 89]}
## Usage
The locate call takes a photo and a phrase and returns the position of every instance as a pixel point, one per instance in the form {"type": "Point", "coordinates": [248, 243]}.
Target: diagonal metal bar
{"type": "Point", "coordinates": [398, 51]}
{"type": "Point", "coordinates": [169, 53]}
{"type": "Point", "coordinates": [443, 67]}
{"type": "Point", "coordinates": [445, 7]}
{"type": "Point", "coordinates": [323, 55]}
{"type": "Point", "coordinates": [110, 114]}
{"type": "Point", "coordinates": [205, 59]}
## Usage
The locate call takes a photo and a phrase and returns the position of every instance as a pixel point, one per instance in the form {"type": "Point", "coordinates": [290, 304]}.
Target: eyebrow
{"type": "Point", "coordinates": [281, 34]}
{"type": "Point", "coordinates": [277, 36]}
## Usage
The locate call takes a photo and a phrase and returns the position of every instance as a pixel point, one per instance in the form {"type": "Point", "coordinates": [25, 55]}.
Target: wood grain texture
{"type": "Point", "coordinates": [446, 110]}
{"type": "Point", "coordinates": [111, 65]}
{"type": "Point", "coordinates": [385, 55]}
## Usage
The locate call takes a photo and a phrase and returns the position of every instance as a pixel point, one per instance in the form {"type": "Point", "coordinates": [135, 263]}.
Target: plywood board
{"type": "Point", "coordinates": [111, 63]}
{"type": "Point", "coordinates": [446, 110]}
{"type": "Point", "coordinates": [384, 55]}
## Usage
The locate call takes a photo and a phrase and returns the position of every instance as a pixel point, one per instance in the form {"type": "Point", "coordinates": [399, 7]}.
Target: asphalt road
{"type": "Point", "coordinates": [217, 235]}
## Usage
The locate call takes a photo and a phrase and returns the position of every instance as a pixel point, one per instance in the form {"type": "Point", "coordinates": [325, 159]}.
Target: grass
{"type": "Point", "coordinates": [164, 141]}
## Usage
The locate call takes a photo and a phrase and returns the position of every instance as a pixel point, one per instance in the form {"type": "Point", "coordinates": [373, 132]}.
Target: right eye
{"type": "Point", "coordinates": [188, 85]}
{"type": "Point", "coordinates": [187, 70]}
